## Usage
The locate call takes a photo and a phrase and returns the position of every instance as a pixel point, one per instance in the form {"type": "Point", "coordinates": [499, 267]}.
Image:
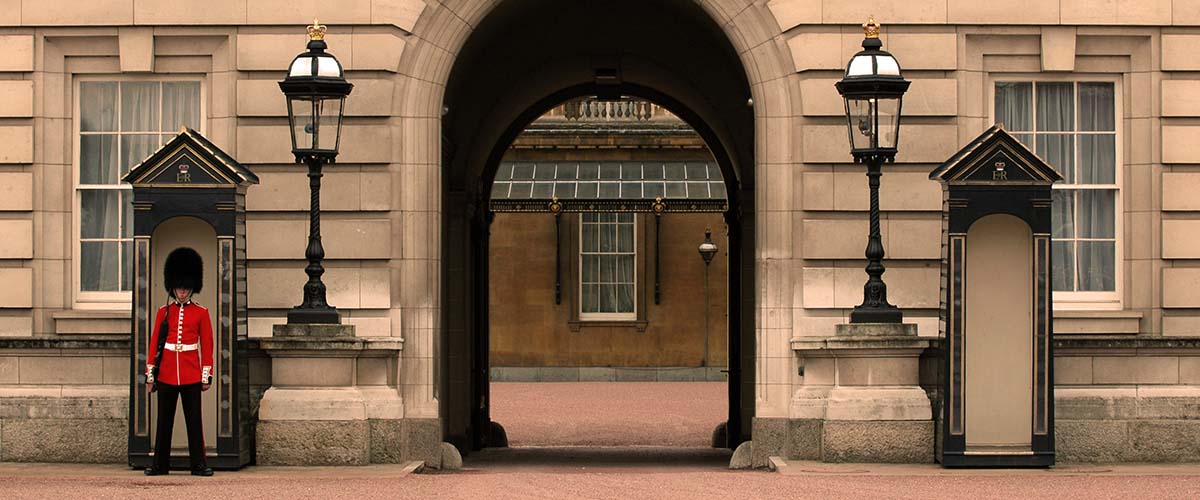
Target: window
{"type": "Point", "coordinates": [1073, 127]}
{"type": "Point", "coordinates": [119, 123]}
{"type": "Point", "coordinates": [607, 261]}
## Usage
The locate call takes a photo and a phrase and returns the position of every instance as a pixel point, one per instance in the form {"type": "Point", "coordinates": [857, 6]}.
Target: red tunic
{"type": "Point", "coordinates": [188, 356]}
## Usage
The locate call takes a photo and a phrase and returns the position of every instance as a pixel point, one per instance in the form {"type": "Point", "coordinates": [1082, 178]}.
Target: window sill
{"type": "Point", "coordinates": [1077, 322]}
{"type": "Point", "coordinates": [639, 324]}
{"type": "Point", "coordinates": [85, 322]}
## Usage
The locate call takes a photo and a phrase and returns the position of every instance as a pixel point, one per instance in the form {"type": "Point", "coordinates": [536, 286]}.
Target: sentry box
{"type": "Point", "coordinates": [190, 193]}
{"type": "Point", "coordinates": [996, 386]}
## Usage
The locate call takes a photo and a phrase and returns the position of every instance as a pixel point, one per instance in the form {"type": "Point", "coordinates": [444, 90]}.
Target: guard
{"type": "Point", "coordinates": [182, 352]}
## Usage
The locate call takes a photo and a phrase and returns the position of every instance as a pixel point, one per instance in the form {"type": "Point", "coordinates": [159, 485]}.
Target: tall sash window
{"type": "Point", "coordinates": [119, 123]}
{"type": "Point", "coordinates": [1073, 127]}
{"type": "Point", "coordinates": [608, 267]}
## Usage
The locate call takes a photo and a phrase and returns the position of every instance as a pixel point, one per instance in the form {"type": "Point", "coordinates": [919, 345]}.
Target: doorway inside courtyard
{"type": "Point", "coordinates": [583, 163]}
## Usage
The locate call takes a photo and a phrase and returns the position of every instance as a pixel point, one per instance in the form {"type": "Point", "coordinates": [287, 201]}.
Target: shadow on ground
{"type": "Point", "coordinates": [597, 459]}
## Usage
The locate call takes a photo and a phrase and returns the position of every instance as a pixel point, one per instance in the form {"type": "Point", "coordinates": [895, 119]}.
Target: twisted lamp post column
{"type": "Point", "coordinates": [314, 289]}
{"type": "Point", "coordinates": [875, 307]}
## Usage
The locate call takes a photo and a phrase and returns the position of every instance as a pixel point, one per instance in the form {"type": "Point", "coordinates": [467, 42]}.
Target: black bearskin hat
{"type": "Point", "coordinates": [184, 269]}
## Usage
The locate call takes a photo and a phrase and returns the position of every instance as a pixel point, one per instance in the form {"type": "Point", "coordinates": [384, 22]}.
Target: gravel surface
{"type": "Point", "coordinates": [609, 413]}
{"type": "Point", "coordinates": [542, 419]}
{"type": "Point", "coordinates": [649, 482]}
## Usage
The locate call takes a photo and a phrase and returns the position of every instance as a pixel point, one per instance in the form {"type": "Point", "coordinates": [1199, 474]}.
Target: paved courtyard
{"type": "Point", "coordinates": [609, 441]}
{"type": "Point", "coordinates": [609, 413]}
{"type": "Point", "coordinates": [596, 478]}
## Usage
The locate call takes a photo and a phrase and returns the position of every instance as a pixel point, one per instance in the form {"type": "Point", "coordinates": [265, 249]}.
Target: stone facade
{"type": "Point", "coordinates": [1126, 370]}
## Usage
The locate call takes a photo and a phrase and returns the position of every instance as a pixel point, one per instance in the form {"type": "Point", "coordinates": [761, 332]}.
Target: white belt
{"type": "Point", "coordinates": [180, 347]}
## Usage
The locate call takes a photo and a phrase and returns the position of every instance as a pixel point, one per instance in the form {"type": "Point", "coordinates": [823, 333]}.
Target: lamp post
{"type": "Point", "coordinates": [316, 92]}
{"type": "Point", "coordinates": [873, 89]}
{"type": "Point", "coordinates": [707, 250]}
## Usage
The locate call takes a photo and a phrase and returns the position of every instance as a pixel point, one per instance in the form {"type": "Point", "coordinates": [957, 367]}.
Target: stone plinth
{"type": "Point", "coordinates": [861, 397]}
{"type": "Point", "coordinates": [334, 398]}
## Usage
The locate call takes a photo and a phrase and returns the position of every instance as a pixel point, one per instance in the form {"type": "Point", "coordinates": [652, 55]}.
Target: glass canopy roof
{"type": "Point", "coordinates": [590, 180]}
{"type": "Point", "coordinates": [624, 186]}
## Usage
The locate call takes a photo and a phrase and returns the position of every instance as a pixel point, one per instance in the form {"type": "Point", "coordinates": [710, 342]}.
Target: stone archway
{"type": "Point", "coordinates": [437, 260]}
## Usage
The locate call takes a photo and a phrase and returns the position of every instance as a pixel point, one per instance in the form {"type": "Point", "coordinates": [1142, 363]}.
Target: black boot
{"type": "Point", "coordinates": [155, 471]}
{"type": "Point", "coordinates": [203, 470]}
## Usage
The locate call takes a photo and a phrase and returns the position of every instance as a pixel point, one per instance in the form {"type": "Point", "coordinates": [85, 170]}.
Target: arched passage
{"type": "Point", "coordinates": [505, 58]}
{"type": "Point", "coordinates": [526, 57]}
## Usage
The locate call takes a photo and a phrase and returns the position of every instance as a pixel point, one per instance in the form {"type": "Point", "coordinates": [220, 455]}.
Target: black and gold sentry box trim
{"type": "Point", "coordinates": [189, 176]}
{"type": "Point", "coordinates": [994, 174]}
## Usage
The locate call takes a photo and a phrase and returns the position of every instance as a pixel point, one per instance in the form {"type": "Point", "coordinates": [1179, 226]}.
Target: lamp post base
{"type": "Point", "coordinates": [310, 315]}
{"type": "Point", "coordinates": [886, 314]}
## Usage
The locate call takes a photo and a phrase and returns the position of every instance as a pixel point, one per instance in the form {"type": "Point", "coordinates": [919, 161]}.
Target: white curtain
{"type": "Point", "coordinates": [608, 263]}
{"type": "Point", "coordinates": [1084, 208]}
{"type": "Point", "coordinates": [181, 106]}
{"type": "Point", "coordinates": [1062, 224]}
{"type": "Point", "coordinates": [141, 111]}
{"type": "Point", "coordinates": [1056, 113]}
{"type": "Point", "coordinates": [626, 261]}
{"type": "Point", "coordinates": [1059, 151]}
{"type": "Point", "coordinates": [1096, 107]}
{"type": "Point", "coordinates": [1014, 106]}
{"type": "Point", "coordinates": [98, 106]}
{"type": "Point", "coordinates": [1055, 107]}
{"type": "Point", "coordinates": [1096, 219]}
{"type": "Point", "coordinates": [1097, 266]}
{"type": "Point", "coordinates": [100, 259]}
{"type": "Point", "coordinates": [139, 106]}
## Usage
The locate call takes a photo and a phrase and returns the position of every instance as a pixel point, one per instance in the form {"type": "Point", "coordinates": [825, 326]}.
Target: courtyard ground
{"type": "Point", "coordinates": [643, 457]}
{"type": "Point", "coordinates": [609, 413]}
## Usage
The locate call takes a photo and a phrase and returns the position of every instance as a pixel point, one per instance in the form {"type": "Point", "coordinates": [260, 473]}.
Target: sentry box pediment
{"type": "Point", "coordinates": [189, 160]}
{"type": "Point", "coordinates": [995, 158]}
{"type": "Point", "coordinates": [190, 193]}
{"type": "Point", "coordinates": [996, 396]}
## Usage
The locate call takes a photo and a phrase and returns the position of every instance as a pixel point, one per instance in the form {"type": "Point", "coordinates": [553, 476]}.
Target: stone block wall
{"type": "Point", "coordinates": [1127, 400]}
{"type": "Point", "coordinates": [385, 192]}
{"type": "Point", "coordinates": [64, 401]}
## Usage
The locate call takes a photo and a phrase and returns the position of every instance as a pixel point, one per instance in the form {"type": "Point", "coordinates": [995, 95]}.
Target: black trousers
{"type": "Point", "coordinates": [190, 396]}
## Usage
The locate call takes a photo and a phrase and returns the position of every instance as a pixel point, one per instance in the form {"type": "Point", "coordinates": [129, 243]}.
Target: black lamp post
{"type": "Point", "coordinates": [707, 250]}
{"type": "Point", "coordinates": [316, 92]}
{"type": "Point", "coordinates": [873, 88]}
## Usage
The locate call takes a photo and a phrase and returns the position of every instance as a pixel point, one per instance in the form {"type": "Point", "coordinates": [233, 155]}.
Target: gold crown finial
{"type": "Point", "coordinates": [316, 31]}
{"type": "Point", "coordinates": [871, 28]}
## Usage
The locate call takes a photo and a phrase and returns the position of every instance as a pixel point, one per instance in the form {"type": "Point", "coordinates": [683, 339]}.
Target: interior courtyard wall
{"type": "Point", "coordinates": [528, 330]}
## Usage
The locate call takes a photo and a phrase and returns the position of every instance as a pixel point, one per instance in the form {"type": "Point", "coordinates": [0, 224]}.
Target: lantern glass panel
{"type": "Point", "coordinates": [316, 122]}
{"type": "Point", "coordinates": [330, 123]}
{"type": "Point", "coordinates": [302, 110]}
{"type": "Point", "coordinates": [861, 122]}
{"type": "Point", "coordinates": [888, 122]}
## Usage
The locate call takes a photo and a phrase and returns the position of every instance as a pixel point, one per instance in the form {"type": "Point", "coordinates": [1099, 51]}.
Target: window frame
{"type": "Point", "coordinates": [108, 300]}
{"type": "Point", "coordinates": [571, 266]}
{"type": "Point", "coordinates": [1076, 300]}
{"type": "Point", "coordinates": [608, 316]}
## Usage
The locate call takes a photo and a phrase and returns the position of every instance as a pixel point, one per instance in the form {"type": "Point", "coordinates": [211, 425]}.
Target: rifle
{"type": "Point", "coordinates": [161, 344]}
